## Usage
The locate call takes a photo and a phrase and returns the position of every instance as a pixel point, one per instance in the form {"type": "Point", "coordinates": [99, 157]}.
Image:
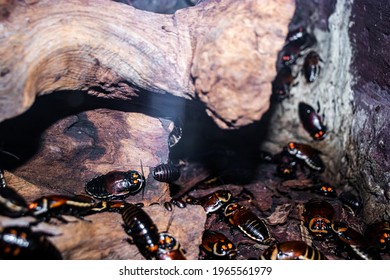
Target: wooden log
{"type": "Point", "coordinates": [221, 52]}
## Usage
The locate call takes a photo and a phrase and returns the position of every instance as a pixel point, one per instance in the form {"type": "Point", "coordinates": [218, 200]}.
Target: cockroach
{"type": "Point", "coordinates": [142, 230]}
{"type": "Point", "coordinates": [378, 234]}
{"type": "Point", "coordinates": [251, 225]}
{"type": "Point", "coordinates": [115, 185]}
{"type": "Point", "coordinates": [296, 44]}
{"type": "Point", "coordinates": [318, 217]}
{"type": "Point", "coordinates": [3, 182]}
{"type": "Point", "coordinates": [169, 248]}
{"type": "Point", "coordinates": [325, 189]}
{"type": "Point", "coordinates": [22, 243]}
{"type": "Point", "coordinates": [166, 172]}
{"type": "Point", "coordinates": [12, 204]}
{"type": "Point", "coordinates": [217, 245]}
{"type": "Point", "coordinates": [56, 206]}
{"type": "Point", "coordinates": [312, 122]}
{"type": "Point", "coordinates": [282, 84]}
{"type": "Point", "coordinates": [212, 202]}
{"type": "Point", "coordinates": [311, 66]}
{"type": "Point", "coordinates": [351, 201]}
{"type": "Point", "coordinates": [176, 133]}
{"type": "Point", "coordinates": [292, 250]}
{"type": "Point", "coordinates": [286, 167]}
{"type": "Point", "coordinates": [309, 155]}
{"type": "Point", "coordinates": [355, 241]}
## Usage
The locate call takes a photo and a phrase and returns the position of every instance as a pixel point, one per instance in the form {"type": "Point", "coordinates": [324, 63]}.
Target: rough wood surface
{"type": "Point", "coordinates": [222, 52]}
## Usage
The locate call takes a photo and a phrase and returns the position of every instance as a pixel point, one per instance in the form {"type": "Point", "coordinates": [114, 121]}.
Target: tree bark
{"type": "Point", "coordinates": [222, 52]}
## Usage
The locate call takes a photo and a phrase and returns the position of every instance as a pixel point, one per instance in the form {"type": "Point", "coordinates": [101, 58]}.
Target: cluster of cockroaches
{"type": "Point", "coordinates": [318, 214]}
{"type": "Point", "coordinates": [17, 242]}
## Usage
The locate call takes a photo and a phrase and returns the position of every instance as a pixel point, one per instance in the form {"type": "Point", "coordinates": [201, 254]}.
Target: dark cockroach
{"type": "Point", "coordinates": [169, 248]}
{"type": "Point", "coordinates": [292, 250]}
{"type": "Point", "coordinates": [56, 206]}
{"type": "Point", "coordinates": [217, 245]}
{"type": "Point", "coordinates": [11, 203]}
{"type": "Point", "coordinates": [312, 122]}
{"type": "Point", "coordinates": [325, 189]}
{"type": "Point", "coordinates": [282, 84]}
{"type": "Point", "coordinates": [351, 201]}
{"type": "Point", "coordinates": [309, 155]}
{"type": "Point", "coordinates": [3, 182]}
{"type": "Point", "coordinates": [251, 225]}
{"type": "Point", "coordinates": [378, 234]}
{"type": "Point", "coordinates": [212, 202]}
{"type": "Point", "coordinates": [296, 44]}
{"type": "Point", "coordinates": [286, 167]}
{"type": "Point", "coordinates": [115, 185]}
{"type": "Point", "coordinates": [166, 172]}
{"type": "Point", "coordinates": [176, 133]}
{"type": "Point", "coordinates": [318, 217]}
{"type": "Point", "coordinates": [142, 230]}
{"type": "Point", "coordinates": [311, 66]}
{"type": "Point", "coordinates": [355, 241]}
{"type": "Point", "coordinates": [23, 244]}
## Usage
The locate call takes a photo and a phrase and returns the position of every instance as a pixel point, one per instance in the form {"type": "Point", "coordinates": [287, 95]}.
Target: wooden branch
{"type": "Point", "coordinates": [222, 52]}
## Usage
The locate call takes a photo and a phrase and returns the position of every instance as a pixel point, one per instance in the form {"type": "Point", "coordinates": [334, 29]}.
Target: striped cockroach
{"type": "Point", "coordinates": [166, 172]}
{"type": "Point", "coordinates": [292, 250]}
{"type": "Point", "coordinates": [251, 225]}
{"type": "Point", "coordinates": [312, 122]}
{"type": "Point", "coordinates": [115, 185]}
{"type": "Point", "coordinates": [318, 217]}
{"type": "Point", "coordinates": [355, 242]}
{"type": "Point", "coordinates": [22, 243]}
{"type": "Point", "coordinates": [169, 248]}
{"type": "Point", "coordinates": [142, 230]}
{"type": "Point", "coordinates": [378, 234]}
{"type": "Point", "coordinates": [217, 245]}
{"type": "Point", "coordinates": [56, 206]}
{"type": "Point", "coordinates": [212, 202]}
{"type": "Point", "coordinates": [307, 154]}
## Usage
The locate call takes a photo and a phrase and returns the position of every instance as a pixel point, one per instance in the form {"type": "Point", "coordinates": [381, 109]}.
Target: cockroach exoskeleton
{"type": "Point", "coordinates": [142, 230]}
{"type": "Point", "coordinates": [17, 242]}
{"type": "Point", "coordinates": [325, 189]}
{"type": "Point", "coordinates": [169, 248]}
{"type": "Point", "coordinates": [217, 245]}
{"type": "Point", "coordinates": [212, 202]}
{"type": "Point", "coordinates": [292, 250]}
{"type": "Point", "coordinates": [115, 185]}
{"type": "Point", "coordinates": [166, 172]}
{"type": "Point", "coordinates": [56, 206]}
{"type": "Point", "coordinates": [378, 234]}
{"type": "Point", "coordinates": [282, 84]}
{"type": "Point", "coordinates": [351, 202]}
{"type": "Point", "coordinates": [312, 122]}
{"type": "Point", "coordinates": [318, 216]}
{"type": "Point", "coordinates": [355, 242]}
{"type": "Point", "coordinates": [309, 155]}
{"type": "Point", "coordinates": [12, 204]}
{"type": "Point", "coordinates": [311, 66]}
{"type": "Point", "coordinates": [250, 224]}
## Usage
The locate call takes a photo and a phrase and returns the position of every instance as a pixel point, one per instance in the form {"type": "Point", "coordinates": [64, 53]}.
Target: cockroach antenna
{"type": "Point", "coordinates": [143, 175]}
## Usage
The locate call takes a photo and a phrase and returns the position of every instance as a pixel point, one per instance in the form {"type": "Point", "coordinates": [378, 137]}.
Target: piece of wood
{"type": "Point", "coordinates": [221, 52]}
